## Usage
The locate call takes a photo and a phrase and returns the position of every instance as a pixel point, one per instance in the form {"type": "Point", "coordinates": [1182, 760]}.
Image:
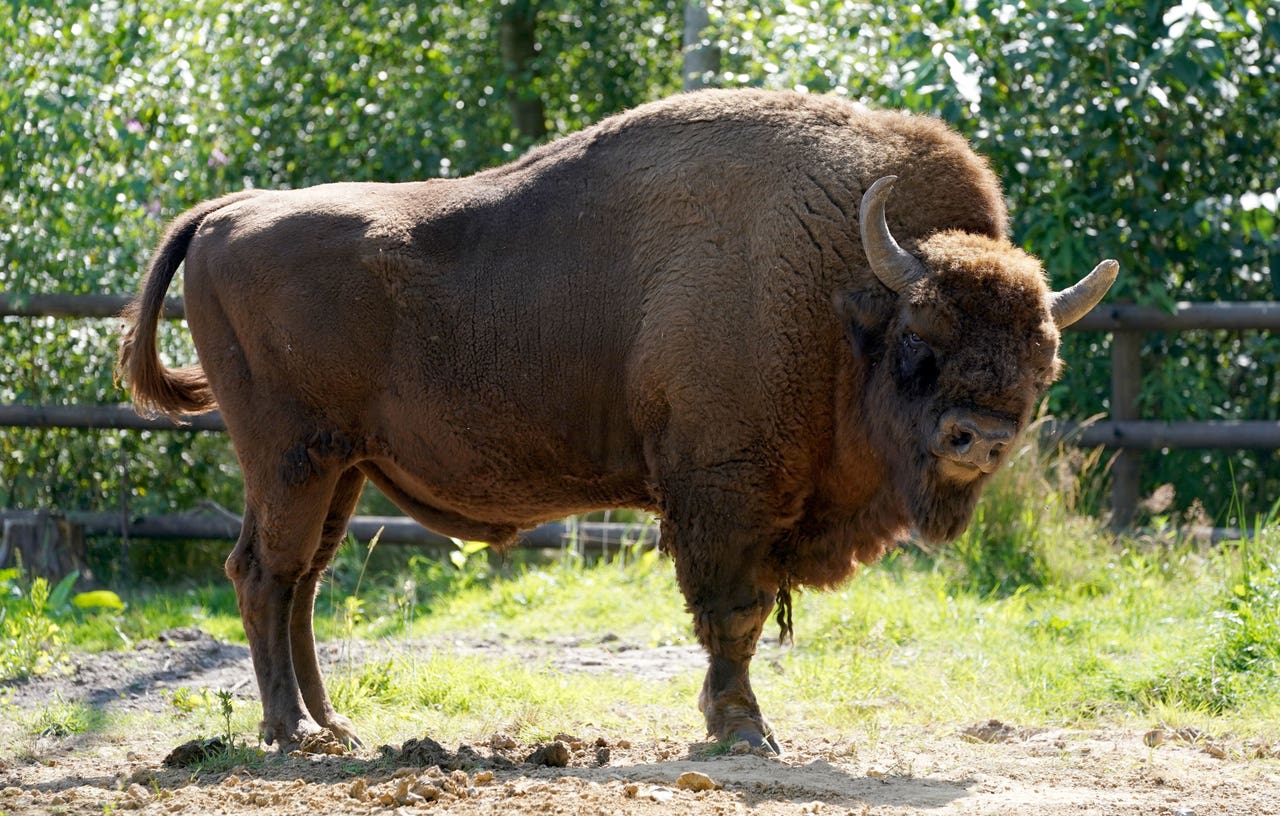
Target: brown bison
{"type": "Point", "coordinates": [709, 307]}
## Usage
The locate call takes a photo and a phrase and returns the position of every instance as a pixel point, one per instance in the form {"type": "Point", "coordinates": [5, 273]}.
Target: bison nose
{"type": "Point", "coordinates": [972, 439]}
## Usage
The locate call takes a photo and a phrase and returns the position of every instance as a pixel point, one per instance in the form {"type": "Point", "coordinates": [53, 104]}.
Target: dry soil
{"type": "Point", "coordinates": [964, 768]}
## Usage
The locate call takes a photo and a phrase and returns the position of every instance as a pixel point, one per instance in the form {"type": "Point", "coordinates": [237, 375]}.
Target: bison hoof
{"type": "Point", "coordinates": [343, 731]}
{"type": "Point", "coordinates": [755, 739]}
{"type": "Point", "coordinates": [289, 739]}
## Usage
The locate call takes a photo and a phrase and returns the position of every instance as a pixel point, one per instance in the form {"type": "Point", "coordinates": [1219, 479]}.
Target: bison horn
{"type": "Point", "coordinates": [894, 266]}
{"type": "Point", "coordinates": [1073, 303]}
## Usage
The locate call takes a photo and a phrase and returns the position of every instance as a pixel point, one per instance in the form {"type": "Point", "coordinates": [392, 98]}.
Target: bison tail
{"type": "Point", "coordinates": [156, 389]}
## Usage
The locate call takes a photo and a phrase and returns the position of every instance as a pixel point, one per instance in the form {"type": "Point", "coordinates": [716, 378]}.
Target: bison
{"type": "Point", "coordinates": [792, 327]}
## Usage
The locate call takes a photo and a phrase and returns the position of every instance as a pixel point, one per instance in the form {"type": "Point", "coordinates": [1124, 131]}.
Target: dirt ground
{"type": "Point", "coordinates": [965, 768]}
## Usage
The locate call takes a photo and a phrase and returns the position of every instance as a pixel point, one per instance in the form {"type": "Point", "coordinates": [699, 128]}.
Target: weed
{"type": "Point", "coordinates": [226, 708]}
{"type": "Point", "coordinates": [31, 641]}
{"type": "Point", "coordinates": [59, 718]}
{"type": "Point", "coordinates": [186, 701]}
{"type": "Point", "coordinates": [357, 688]}
{"type": "Point", "coordinates": [1240, 656]}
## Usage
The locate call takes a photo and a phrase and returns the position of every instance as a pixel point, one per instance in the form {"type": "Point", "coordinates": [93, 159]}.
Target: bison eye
{"type": "Point", "coordinates": [917, 370]}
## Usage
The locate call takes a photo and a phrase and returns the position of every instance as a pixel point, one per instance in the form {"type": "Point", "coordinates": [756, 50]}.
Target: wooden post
{"type": "Point", "coordinates": [45, 546]}
{"type": "Point", "coordinates": [1126, 380]}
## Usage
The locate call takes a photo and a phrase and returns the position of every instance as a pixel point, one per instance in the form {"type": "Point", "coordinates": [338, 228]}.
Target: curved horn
{"type": "Point", "coordinates": [1074, 302]}
{"type": "Point", "coordinates": [894, 266]}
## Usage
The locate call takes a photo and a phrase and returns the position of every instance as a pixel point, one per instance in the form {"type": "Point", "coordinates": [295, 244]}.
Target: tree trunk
{"type": "Point", "coordinates": [701, 57]}
{"type": "Point", "coordinates": [45, 546]}
{"type": "Point", "coordinates": [517, 41]}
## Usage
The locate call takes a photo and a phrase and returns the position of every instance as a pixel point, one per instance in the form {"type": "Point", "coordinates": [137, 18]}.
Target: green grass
{"type": "Point", "coordinates": [1146, 632]}
{"type": "Point", "coordinates": [59, 718]}
{"type": "Point", "coordinates": [466, 698]}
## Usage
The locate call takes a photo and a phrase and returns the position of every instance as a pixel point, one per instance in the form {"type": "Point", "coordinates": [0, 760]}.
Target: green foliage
{"type": "Point", "coordinates": [185, 701]}
{"type": "Point", "coordinates": [1028, 512]}
{"type": "Point", "coordinates": [59, 718]}
{"type": "Point", "coordinates": [1239, 660]}
{"type": "Point", "coordinates": [30, 640]}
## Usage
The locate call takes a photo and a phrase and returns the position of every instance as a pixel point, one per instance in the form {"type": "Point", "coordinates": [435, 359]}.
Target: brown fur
{"type": "Point", "coordinates": [639, 314]}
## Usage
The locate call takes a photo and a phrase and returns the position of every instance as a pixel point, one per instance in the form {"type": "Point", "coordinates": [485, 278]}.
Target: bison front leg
{"type": "Point", "coordinates": [725, 586]}
{"type": "Point", "coordinates": [729, 633]}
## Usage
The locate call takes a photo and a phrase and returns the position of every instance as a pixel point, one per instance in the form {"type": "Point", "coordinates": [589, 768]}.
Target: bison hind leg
{"type": "Point", "coordinates": [289, 534]}
{"type": "Point", "coordinates": [302, 638]}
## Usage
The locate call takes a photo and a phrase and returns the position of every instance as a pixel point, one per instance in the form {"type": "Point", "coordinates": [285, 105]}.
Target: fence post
{"type": "Point", "coordinates": [1126, 380]}
{"type": "Point", "coordinates": [45, 546]}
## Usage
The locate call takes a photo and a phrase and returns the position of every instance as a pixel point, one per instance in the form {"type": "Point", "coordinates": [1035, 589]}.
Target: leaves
{"type": "Point", "coordinates": [97, 599]}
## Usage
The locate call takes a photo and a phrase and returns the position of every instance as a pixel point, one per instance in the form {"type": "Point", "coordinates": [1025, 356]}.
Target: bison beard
{"type": "Point", "coordinates": [689, 253]}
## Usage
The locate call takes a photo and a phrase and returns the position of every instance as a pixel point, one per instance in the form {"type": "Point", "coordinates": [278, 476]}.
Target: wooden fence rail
{"type": "Point", "coordinates": [585, 535]}
{"type": "Point", "coordinates": [1124, 430]}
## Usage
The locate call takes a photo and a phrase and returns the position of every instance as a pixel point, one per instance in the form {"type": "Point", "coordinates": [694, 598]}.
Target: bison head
{"type": "Point", "coordinates": [958, 342]}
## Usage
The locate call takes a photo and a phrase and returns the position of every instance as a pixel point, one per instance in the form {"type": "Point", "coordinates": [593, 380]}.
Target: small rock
{"type": "Point", "coordinates": [405, 794]}
{"type": "Point", "coordinates": [740, 747]}
{"type": "Point", "coordinates": [661, 795]}
{"type": "Point", "coordinates": [630, 790]}
{"type": "Point", "coordinates": [429, 791]}
{"type": "Point", "coordinates": [553, 755]}
{"type": "Point", "coordinates": [602, 756]}
{"type": "Point", "coordinates": [359, 789]}
{"type": "Point", "coordinates": [1153, 738]}
{"type": "Point", "coordinates": [1189, 733]}
{"type": "Point", "coordinates": [694, 781]}
{"type": "Point", "coordinates": [136, 797]}
{"type": "Point", "coordinates": [502, 742]}
{"type": "Point", "coordinates": [990, 731]}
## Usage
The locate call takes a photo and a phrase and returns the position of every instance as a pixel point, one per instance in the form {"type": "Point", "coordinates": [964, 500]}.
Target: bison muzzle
{"type": "Point", "coordinates": [792, 327]}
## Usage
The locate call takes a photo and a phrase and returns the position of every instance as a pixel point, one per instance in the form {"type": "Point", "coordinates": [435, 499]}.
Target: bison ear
{"type": "Point", "coordinates": [865, 314]}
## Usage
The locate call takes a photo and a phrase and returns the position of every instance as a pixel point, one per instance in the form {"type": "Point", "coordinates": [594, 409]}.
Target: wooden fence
{"type": "Point", "coordinates": [1124, 429]}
